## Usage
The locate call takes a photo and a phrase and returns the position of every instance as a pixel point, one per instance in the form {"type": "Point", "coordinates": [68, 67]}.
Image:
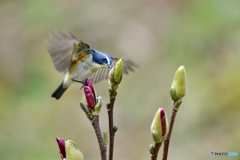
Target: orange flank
{"type": "Point", "coordinates": [79, 59]}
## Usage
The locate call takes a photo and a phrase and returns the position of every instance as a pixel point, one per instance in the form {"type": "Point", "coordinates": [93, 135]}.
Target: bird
{"type": "Point", "coordinates": [78, 62]}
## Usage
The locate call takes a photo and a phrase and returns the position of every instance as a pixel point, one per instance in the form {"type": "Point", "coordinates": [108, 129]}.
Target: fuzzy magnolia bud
{"type": "Point", "coordinates": [69, 150]}
{"type": "Point", "coordinates": [115, 74]}
{"type": "Point", "coordinates": [179, 85]}
{"type": "Point", "coordinates": [72, 151]}
{"type": "Point", "coordinates": [159, 127]}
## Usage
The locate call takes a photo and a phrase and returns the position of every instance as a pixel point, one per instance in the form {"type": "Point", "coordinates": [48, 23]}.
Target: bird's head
{"type": "Point", "coordinates": [102, 58]}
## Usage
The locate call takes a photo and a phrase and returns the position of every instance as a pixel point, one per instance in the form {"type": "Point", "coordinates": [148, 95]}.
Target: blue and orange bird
{"type": "Point", "coordinates": [74, 58]}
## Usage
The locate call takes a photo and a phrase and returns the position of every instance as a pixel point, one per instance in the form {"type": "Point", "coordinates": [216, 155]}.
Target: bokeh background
{"type": "Point", "coordinates": [202, 35]}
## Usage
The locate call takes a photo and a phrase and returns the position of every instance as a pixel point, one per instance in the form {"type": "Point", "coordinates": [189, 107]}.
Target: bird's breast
{"type": "Point", "coordinates": [83, 68]}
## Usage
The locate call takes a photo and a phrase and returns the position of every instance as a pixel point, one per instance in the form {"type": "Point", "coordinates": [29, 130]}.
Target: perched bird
{"type": "Point", "coordinates": [74, 58]}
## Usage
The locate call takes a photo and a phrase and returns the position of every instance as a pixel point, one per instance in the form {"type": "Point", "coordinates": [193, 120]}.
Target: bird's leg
{"type": "Point", "coordinates": [76, 80]}
{"type": "Point", "coordinates": [82, 86]}
{"type": "Point", "coordinates": [83, 83]}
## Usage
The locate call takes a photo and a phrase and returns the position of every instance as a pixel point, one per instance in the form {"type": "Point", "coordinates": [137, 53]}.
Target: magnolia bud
{"type": "Point", "coordinates": [115, 128]}
{"type": "Point", "coordinates": [98, 106]}
{"type": "Point", "coordinates": [86, 110]}
{"type": "Point", "coordinates": [151, 149]}
{"type": "Point", "coordinates": [89, 96]}
{"type": "Point", "coordinates": [115, 74]}
{"type": "Point", "coordinates": [179, 85]}
{"type": "Point", "coordinates": [72, 151]}
{"type": "Point", "coordinates": [69, 150]}
{"type": "Point", "coordinates": [159, 127]}
{"type": "Point", "coordinates": [118, 71]}
{"type": "Point", "coordinates": [105, 138]}
{"type": "Point", "coordinates": [89, 84]}
{"type": "Point", "coordinates": [61, 145]}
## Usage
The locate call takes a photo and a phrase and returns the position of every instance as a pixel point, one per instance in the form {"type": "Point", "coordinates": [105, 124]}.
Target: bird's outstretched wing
{"type": "Point", "coordinates": [102, 73]}
{"type": "Point", "coordinates": [60, 47]}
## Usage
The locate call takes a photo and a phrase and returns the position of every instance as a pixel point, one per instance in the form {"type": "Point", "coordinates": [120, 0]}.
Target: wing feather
{"type": "Point", "coordinates": [125, 69]}
{"type": "Point", "coordinates": [93, 78]}
{"type": "Point", "coordinates": [60, 47]}
{"type": "Point", "coordinates": [105, 74]}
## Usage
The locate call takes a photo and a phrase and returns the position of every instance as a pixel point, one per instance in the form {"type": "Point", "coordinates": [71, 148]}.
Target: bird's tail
{"type": "Point", "coordinates": [59, 91]}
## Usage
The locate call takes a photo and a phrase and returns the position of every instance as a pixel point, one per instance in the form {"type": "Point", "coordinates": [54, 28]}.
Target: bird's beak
{"type": "Point", "coordinates": [109, 65]}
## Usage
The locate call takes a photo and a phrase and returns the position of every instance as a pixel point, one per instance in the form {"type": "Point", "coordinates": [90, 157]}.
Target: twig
{"type": "Point", "coordinates": [156, 149]}
{"type": "Point", "coordinates": [103, 148]}
{"type": "Point", "coordinates": [167, 139]}
{"type": "Point", "coordinates": [112, 94]}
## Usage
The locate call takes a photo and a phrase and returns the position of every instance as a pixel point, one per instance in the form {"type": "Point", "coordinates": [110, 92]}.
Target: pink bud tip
{"type": "Point", "coordinates": [61, 145]}
{"type": "Point", "coordinates": [89, 97]}
{"type": "Point", "coordinates": [163, 122]}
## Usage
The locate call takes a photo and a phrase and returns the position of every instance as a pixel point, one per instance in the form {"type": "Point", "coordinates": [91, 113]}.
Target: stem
{"type": "Point", "coordinates": [156, 149]}
{"type": "Point", "coordinates": [112, 94]}
{"type": "Point", "coordinates": [167, 140]}
{"type": "Point", "coordinates": [103, 148]}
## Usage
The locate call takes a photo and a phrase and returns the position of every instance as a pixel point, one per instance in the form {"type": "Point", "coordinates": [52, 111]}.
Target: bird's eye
{"type": "Point", "coordinates": [105, 59]}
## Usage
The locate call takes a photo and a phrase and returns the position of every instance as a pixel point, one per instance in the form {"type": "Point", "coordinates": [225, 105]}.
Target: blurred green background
{"type": "Point", "coordinates": [202, 35]}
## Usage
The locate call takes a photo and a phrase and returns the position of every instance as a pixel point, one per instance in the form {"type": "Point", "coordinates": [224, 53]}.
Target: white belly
{"type": "Point", "coordinates": [83, 70]}
{"type": "Point", "coordinates": [81, 73]}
